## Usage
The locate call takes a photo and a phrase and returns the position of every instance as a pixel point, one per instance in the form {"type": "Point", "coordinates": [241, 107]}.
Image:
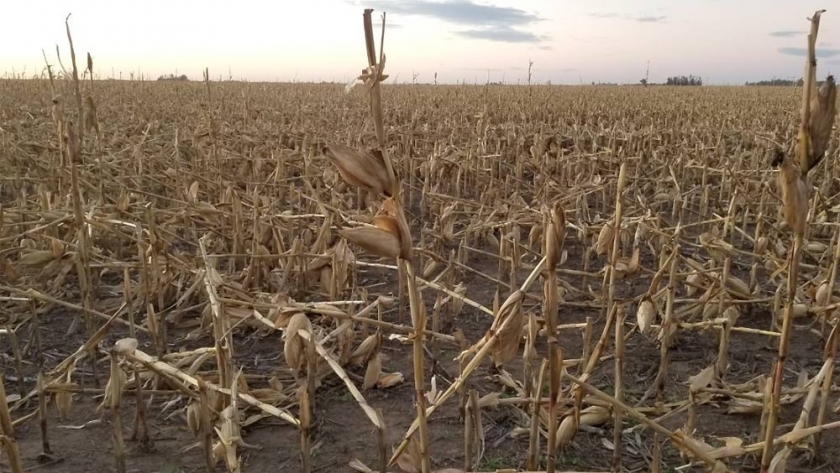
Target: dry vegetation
{"type": "Point", "coordinates": [233, 276]}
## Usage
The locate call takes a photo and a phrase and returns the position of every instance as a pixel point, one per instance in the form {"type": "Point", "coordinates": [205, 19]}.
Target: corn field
{"type": "Point", "coordinates": [232, 276]}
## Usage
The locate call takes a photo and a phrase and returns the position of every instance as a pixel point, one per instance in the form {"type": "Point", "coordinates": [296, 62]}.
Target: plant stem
{"type": "Point", "coordinates": [778, 370]}
{"type": "Point", "coordinates": [418, 318]}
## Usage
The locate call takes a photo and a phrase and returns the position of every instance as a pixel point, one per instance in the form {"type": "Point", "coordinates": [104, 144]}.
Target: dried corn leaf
{"type": "Point", "coordinates": [701, 379]}
{"type": "Point", "coordinates": [63, 401]}
{"type": "Point", "coordinates": [411, 460]}
{"type": "Point", "coordinates": [745, 406]}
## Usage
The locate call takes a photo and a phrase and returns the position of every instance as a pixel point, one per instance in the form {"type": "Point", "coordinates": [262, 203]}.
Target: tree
{"type": "Point", "coordinates": [173, 77]}
{"type": "Point", "coordinates": [776, 82]}
{"type": "Point", "coordinates": [691, 80]}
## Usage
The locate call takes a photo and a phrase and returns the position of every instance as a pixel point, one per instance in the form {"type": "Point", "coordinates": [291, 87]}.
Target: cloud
{"type": "Point", "coordinates": [625, 16]}
{"type": "Point", "coordinates": [485, 22]}
{"type": "Point", "coordinates": [821, 53]}
{"type": "Point", "coordinates": [651, 18]}
{"type": "Point", "coordinates": [501, 34]}
{"type": "Point", "coordinates": [462, 12]}
{"type": "Point", "coordinates": [605, 15]}
{"type": "Point", "coordinates": [785, 33]}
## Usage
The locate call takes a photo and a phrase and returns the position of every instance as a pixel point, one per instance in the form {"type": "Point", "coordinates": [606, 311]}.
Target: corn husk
{"type": "Point", "coordinates": [294, 348]}
{"type": "Point", "coordinates": [373, 371]}
{"type": "Point", "coordinates": [535, 236]}
{"type": "Point", "coordinates": [365, 169]}
{"type": "Point", "coordinates": [389, 380]}
{"type": "Point", "coordinates": [91, 121]}
{"type": "Point", "coordinates": [737, 288]}
{"type": "Point", "coordinates": [125, 346]}
{"type": "Point", "coordinates": [605, 239]}
{"type": "Point", "coordinates": [761, 245]}
{"type": "Point", "coordinates": [507, 344]}
{"type": "Point", "coordinates": [63, 401]}
{"type": "Point", "coordinates": [822, 296]}
{"type": "Point", "coordinates": [554, 241]}
{"type": "Point", "coordinates": [645, 314]}
{"type": "Point", "coordinates": [745, 406]}
{"type": "Point", "coordinates": [447, 223]}
{"type": "Point", "coordinates": [194, 416]}
{"type": "Point", "coordinates": [823, 113]}
{"type": "Point", "coordinates": [693, 281]}
{"type": "Point", "coordinates": [591, 416]}
{"type": "Point", "coordinates": [701, 379]}
{"type": "Point", "coordinates": [374, 240]}
{"type": "Point", "coordinates": [36, 258]}
{"type": "Point", "coordinates": [367, 349]}
{"type": "Point", "coordinates": [794, 193]}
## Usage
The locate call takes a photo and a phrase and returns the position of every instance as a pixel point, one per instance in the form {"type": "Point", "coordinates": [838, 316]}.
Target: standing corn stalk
{"type": "Point", "coordinates": [390, 235]}
{"type": "Point", "coordinates": [7, 429]}
{"type": "Point", "coordinates": [555, 233]}
{"type": "Point", "coordinates": [818, 111]}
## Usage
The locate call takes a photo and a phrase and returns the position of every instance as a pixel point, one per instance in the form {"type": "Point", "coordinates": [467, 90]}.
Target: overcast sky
{"type": "Point", "coordinates": [723, 41]}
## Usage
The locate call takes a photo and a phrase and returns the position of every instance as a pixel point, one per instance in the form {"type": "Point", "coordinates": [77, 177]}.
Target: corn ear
{"type": "Point", "coordinates": [293, 348]}
{"type": "Point", "coordinates": [373, 371]}
{"type": "Point", "coordinates": [360, 168]}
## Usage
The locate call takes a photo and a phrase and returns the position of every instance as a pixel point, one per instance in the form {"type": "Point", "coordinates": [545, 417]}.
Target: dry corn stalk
{"type": "Point", "coordinates": [9, 442]}
{"type": "Point", "coordinates": [113, 397]}
{"type": "Point", "coordinates": [795, 198]}
{"type": "Point", "coordinates": [818, 108]}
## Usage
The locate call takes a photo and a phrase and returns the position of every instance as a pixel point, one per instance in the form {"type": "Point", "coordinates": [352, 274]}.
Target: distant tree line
{"type": "Point", "coordinates": [684, 80]}
{"type": "Point", "coordinates": [182, 77]}
{"type": "Point", "coordinates": [675, 80]}
{"type": "Point", "coordinates": [778, 82]}
{"type": "Point", "coordinates": [782, 83]}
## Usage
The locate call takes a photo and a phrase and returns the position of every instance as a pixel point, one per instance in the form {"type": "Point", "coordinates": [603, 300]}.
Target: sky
{"type": "Point", "coordinates": [569, 42]}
